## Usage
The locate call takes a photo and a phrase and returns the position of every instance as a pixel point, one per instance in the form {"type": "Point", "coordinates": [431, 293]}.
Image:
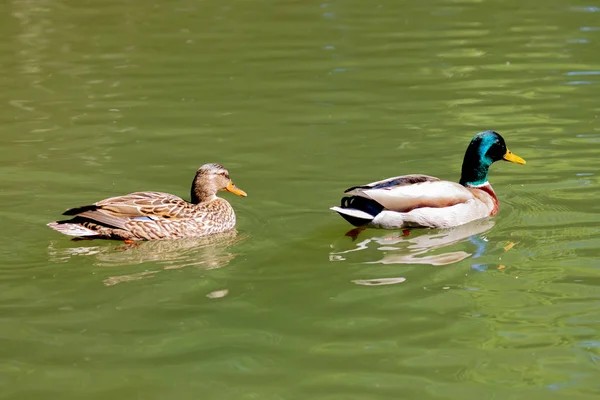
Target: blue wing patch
{"type": "Point", "coordinates": [143, 219]}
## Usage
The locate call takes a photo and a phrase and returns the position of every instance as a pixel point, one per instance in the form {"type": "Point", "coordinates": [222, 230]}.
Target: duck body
{"type": "Point", "coordinates": [157, 215]}
{"type": "Point", "coordinates": [427, 202]}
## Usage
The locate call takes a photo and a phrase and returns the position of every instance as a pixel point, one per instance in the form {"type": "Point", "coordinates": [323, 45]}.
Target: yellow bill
{"type": "Point", "coordinates": [510, 156]}
{"type": "Point", "coordinates": [235, 190]}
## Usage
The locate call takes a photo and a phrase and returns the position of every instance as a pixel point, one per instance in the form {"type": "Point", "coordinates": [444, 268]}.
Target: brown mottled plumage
{"type": "Point", "coordinates": [156, 215]}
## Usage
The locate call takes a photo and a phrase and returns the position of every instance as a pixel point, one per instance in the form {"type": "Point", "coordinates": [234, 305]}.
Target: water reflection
{"type": "Point", "coordinates": [379, 281]}
{"type": "Point", "coordinates": [207, 252]}
{"type": "Point", "coordinates": [414, 246]}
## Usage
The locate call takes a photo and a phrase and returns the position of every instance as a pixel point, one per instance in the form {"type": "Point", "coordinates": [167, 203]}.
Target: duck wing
{"type": "Point", "coordinates": [407, 192]}
{"type": "Point", "coordinates": [139, 206]}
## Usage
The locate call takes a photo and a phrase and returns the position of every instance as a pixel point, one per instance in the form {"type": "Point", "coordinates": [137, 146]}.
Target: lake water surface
{"type": "Point", "coordinates": [300, 100]}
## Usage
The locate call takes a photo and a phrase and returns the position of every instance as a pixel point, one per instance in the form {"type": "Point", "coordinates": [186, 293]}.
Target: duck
{"type": "Point", "coordinates": [155, 215]}
{"type": "Point", "coordinates": [423, 201]}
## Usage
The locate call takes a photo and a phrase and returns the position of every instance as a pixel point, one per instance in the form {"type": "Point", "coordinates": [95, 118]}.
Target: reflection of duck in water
{"type": "Point", "coordinates": [207, 252]}
{"type": "Point", "coordinates": [402, 249]}
{"type": "Point", "coordinates": [155, 215]}
{"type": "Point", "coordinates": [428, 202]}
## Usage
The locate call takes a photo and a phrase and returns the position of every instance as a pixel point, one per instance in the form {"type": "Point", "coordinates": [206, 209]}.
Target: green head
{"type": "Point", "coordinates": [485, 149]}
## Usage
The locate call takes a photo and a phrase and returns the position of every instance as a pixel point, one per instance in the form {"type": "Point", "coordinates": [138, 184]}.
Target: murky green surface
{"type": "Point", "coordinates": [300, 100]}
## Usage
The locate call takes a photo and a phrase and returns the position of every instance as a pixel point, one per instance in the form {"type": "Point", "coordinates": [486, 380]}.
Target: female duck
{"type": "Point", "coordinates": [428, 202]}
{"type": "Point", "coordinates": [155, 215]}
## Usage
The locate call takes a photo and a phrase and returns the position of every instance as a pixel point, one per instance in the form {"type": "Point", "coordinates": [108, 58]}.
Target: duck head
{"type": "Point", "coordinates": [485, 149]}
{"type": "Point", "coordinates": [210, 179]}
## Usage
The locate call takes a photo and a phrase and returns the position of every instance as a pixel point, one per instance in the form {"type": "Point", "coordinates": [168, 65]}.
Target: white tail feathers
{"type": "Point", "coordinates": [353, 212]}
{"type": "Point", "coordinates": [72, 229]}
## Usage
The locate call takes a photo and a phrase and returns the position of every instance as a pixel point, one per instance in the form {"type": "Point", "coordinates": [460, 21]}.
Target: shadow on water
{"type": "Point", "coordinates": [209, 252]}
{"type": "Point", "coordinates": [410, 247]}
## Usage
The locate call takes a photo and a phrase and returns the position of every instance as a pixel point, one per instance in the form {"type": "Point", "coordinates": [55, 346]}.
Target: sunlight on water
{"type": "Point", "coordinates": [299, 100]}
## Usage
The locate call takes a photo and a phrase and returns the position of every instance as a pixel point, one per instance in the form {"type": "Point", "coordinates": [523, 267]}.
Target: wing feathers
{"type": "Point", "coordinates": [118, 211]}
{"type": "Point", "coordinates": [394, 182]}
{"type": "Point", "coordinates": [105, 218]}
{"type": "Point", "coordinates": [426, 193]}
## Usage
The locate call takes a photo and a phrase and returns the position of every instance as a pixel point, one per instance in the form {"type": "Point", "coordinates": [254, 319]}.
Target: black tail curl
{"type": "Point", "coordinates": [360, 203]}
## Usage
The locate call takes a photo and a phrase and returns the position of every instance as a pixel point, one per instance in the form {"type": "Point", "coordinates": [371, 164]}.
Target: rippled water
{"type": "Point", "coordinates": [299, 101]}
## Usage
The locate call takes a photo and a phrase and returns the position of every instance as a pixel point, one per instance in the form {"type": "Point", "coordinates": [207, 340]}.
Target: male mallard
{"type": "Point", "coordinates": [155, 215]}
{"type": "Point", "coordinates": [428, 202]}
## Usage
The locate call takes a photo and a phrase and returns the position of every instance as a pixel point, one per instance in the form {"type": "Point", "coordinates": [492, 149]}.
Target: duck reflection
{"type": "Point", "coordinates": [416, 246]}
{"type": "Point", "coordinates": [207, 252]}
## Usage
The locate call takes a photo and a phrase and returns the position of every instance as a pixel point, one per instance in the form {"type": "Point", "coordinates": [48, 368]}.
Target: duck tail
{"type": "Point", "coordinates": [355, 217]}
{"type": "Point", "coordinates": [71, 229]}
{"type": "Point", "coordinates": [358, 210]}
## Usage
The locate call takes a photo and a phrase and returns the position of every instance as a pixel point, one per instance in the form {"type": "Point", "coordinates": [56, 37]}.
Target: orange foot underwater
{"type": "Point", "coordinates": [353, 233]}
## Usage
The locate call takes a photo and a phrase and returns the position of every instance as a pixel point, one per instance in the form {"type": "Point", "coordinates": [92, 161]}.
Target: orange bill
{"type": "Point", "coordinates": [235, 190]}
{"type": "Point", "coordinates": [512, 157]}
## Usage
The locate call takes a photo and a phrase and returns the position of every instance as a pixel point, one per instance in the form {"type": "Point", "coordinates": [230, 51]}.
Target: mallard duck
{"type": "Point", "coordinates": [428, 202]}
{"type": "Point", "coordinates": [155, 215]}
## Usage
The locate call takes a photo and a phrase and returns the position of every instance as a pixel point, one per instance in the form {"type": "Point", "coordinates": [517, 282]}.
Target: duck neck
{"type": "Point", "coordinates": [474, 170]}
{"type": "Point", "coordinates": [487, 188]}
{"type": "Point", "coordinates": [203, 190]}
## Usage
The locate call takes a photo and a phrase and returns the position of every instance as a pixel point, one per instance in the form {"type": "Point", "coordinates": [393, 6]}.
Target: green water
{"type": "Point", "coordinates": [299, 100]}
